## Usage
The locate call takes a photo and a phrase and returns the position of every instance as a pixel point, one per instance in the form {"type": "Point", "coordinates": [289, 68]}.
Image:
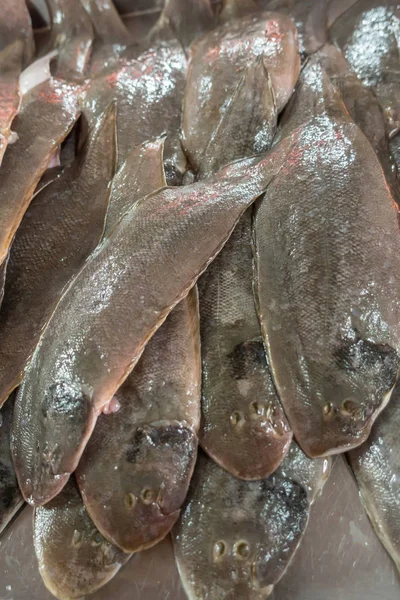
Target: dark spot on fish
{"type": "Point", "coordinates": [8, 487]}
{"type": "Point", "coordinates": [63, 401]}
{"type": "Point", "coordinates": [378, 362]}
{"type": "Point", "coordinates": [247, 358]}
{"type": "Point", "coordinates": [149, 436]}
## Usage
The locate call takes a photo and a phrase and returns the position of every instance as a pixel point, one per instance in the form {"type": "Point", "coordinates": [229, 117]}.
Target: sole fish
{"type": "Point", "coordinates": [16, 50]}
{"type": "Point", "coordinates": [235, 539]}
{"type": "Point", "coordinates": [326, 277]}
{"type": "Point", "coordinates": [269, 35]}
{"type": "Point", "coordinates": [74, 558]}
{"type": "Point", "coordinates": [135, 471]}
{"type": "Point", "coordinates": [48, 112]}
{"type": "Point", "coordinates": [376, 466]}
{"type": "Point", "coordinates": [364, 108]}
{"type": "Point", "coordinates": [11, 500]}
{"type": "Point", "coordinates": [310, 18]}
{"type": "Point", "coordinates": [102, 324]}
{"type": "Point", "coordinates": [62, 226]}
{"type": "Point", "coordinates": [244, 428]}
{"type": "Point", "coordinates": [369, 34]}
{"type": "Point", "coordinates": [148, 92]}
{"type": "Point", "coordinates": [72, 34]}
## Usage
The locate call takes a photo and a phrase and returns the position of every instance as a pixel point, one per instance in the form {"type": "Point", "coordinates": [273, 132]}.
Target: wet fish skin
{"type": "Point", "coordinates": [11, 499]}
{"type": "Point", "coordinates": [74, 558]}
{"type": "Point", "coordinates": [148, 92]}
{"type": "Point", "coordinates": [95, 337]}
{"type": "Point", "coordinates": [185, 19]}
{"type": "Point", "coordinates": [238, 42]}
{"type": "Point", "coordinates": [137, 465]}
{"type": "Point", "coordinates": [234, 9]}
{"type": "Point", "coordinates": [332, 337]}
{"type": "Point", "coordinates": [310, 18]}
{"type": "Point", "coordinates": [141, 174]}
{"type": "Point", "coordinates": [368, 34]}
{"type": "Point", "coordinates": [235, 538]}
{"type": "Point", "coordinates": [16, 50]}
{"type": "Point", "coordinates": [47, 114]}
{"type": "Point", "coordinates": [394, 147]}
{"type": "Point", "coordinates": [61, 228]}
{"type": "Point", "coordinates": [72, 34]}
{"type": "Point", "coordinates": [336, 8]}
{"type": "Point", "coordinates": [364, 108]}
{"type": "Point", "coordinates": [244, 428]}
{"type": "Point", "coordinates": [376, 467]}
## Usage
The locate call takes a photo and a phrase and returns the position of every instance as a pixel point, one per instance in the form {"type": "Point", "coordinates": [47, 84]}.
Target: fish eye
{"type": "Point", "coordinates": [130, 500]}
{"type": "Point", "coordinates": [241, 550]}
{"type": "Point", "coordinates": [97, 539]}
{"type": "Point", "coordinates": [258, 408]}
{"type": "Point", "coordinates": [148, 496]}
{"type": "Point", "coordinates": [219, 550]}
{"type": "Point", "coordinates": [236, 418]}
{"type": "Point", "coordinates": [328, 409]}
{"type": "Point", "coordinates": [349, 407]}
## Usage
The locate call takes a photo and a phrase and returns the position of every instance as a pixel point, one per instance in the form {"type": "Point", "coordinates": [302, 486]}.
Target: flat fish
{"type": "Point", "coordinates": [364, 108]}
{"type": "Point", "coordinates": [243, 428]}
{"type": "Point", "coordinates": [102, 324]}
{"type": "Point", "coordinates": [16, 50]}
{"type": "Point", "coordinates": [74, 558]}
{"type": "Point", "coordinates": [72, 34]}
{"type": "Point", "coordinates": [148, 92]}
{"type": "Point", "coordinates": [235, 539]}
{"type": "Point", "coordinates": [326, 275]}
{"type": "Point", "coordinates": [369, 34]}
{"type": "Point", "coordinates": [336, 8]}
{"type": "Point", "coordinates": [186, 19]}
{"type": "Point", "coordinates": [376, 466]}
{"type": "Point", "coordinates": [310, 18]}
{"type": "Point", "coordinates": [111, 35]}
{"type": "Point", "coordinates": [48, 112]}
{"type": "Point", "coordinates": [241, 41]}
{"type": "Point", "coordinates": [11, 499]}
{"type": "Point", "coordinates": [62, 226]}
{"type": "Point", "coordinates": [135, 471]}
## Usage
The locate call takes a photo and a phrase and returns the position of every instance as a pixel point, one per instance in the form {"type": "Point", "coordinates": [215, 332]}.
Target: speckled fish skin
{"type": "Point", "coordinates": [327, 275]}
{"type": "Point", "coordinates": [369, 34]}
{"type": "Point", "coordinates": [135, 471]}
{"type": "Point", "coordinates": [72, 34]}
{"type": "Point", "coordinates": [101, 325]}
{"type": "Point", "coordinates": [45, 256]}
{"type": "Point", "coordinates": [11, 499]}
{"type": "Point", "coordinates": [48, 112]}
{"type": "Point", "coordinates": [235, 539]}
{"type": "Point", "coordinates": [141, 174]}
{"type": "Point", "coordinates": [16, 49]}
{"type": "Point", "coordinates": [376, 466]}
{"type": "Point", "coordinates": [74, 558]}
{"type": "Point", "coordinates": [310, 18]}
{"type": "Point", "coordinates": [235, 45]}
{"type": "Point", "coordinates": [364, 108]}
{"type": "Point", "coordinates": [148, 92]}
{"type": "Point", "coordinates": [187, 19]}
{"type": "Point", "coordinates": [243, 427]}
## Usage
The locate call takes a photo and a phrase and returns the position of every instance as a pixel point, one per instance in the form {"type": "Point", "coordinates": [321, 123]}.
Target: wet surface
{"type": "Point", "coordinates": [340, 558]}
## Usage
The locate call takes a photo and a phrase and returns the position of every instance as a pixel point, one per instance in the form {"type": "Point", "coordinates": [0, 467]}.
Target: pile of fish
{"type": "Point", "coordinates": [200, 280]}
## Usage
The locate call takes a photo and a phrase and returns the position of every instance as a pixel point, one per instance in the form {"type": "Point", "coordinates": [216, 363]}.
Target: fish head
{"type": "Point", "coordinates": [57, 429]}
{"type": "Point", "coordinates": [354, 390]}
{"type": "Point", "coordinates": [244, 427]}
{"type": "Point", "coordinates": [140, 501]}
